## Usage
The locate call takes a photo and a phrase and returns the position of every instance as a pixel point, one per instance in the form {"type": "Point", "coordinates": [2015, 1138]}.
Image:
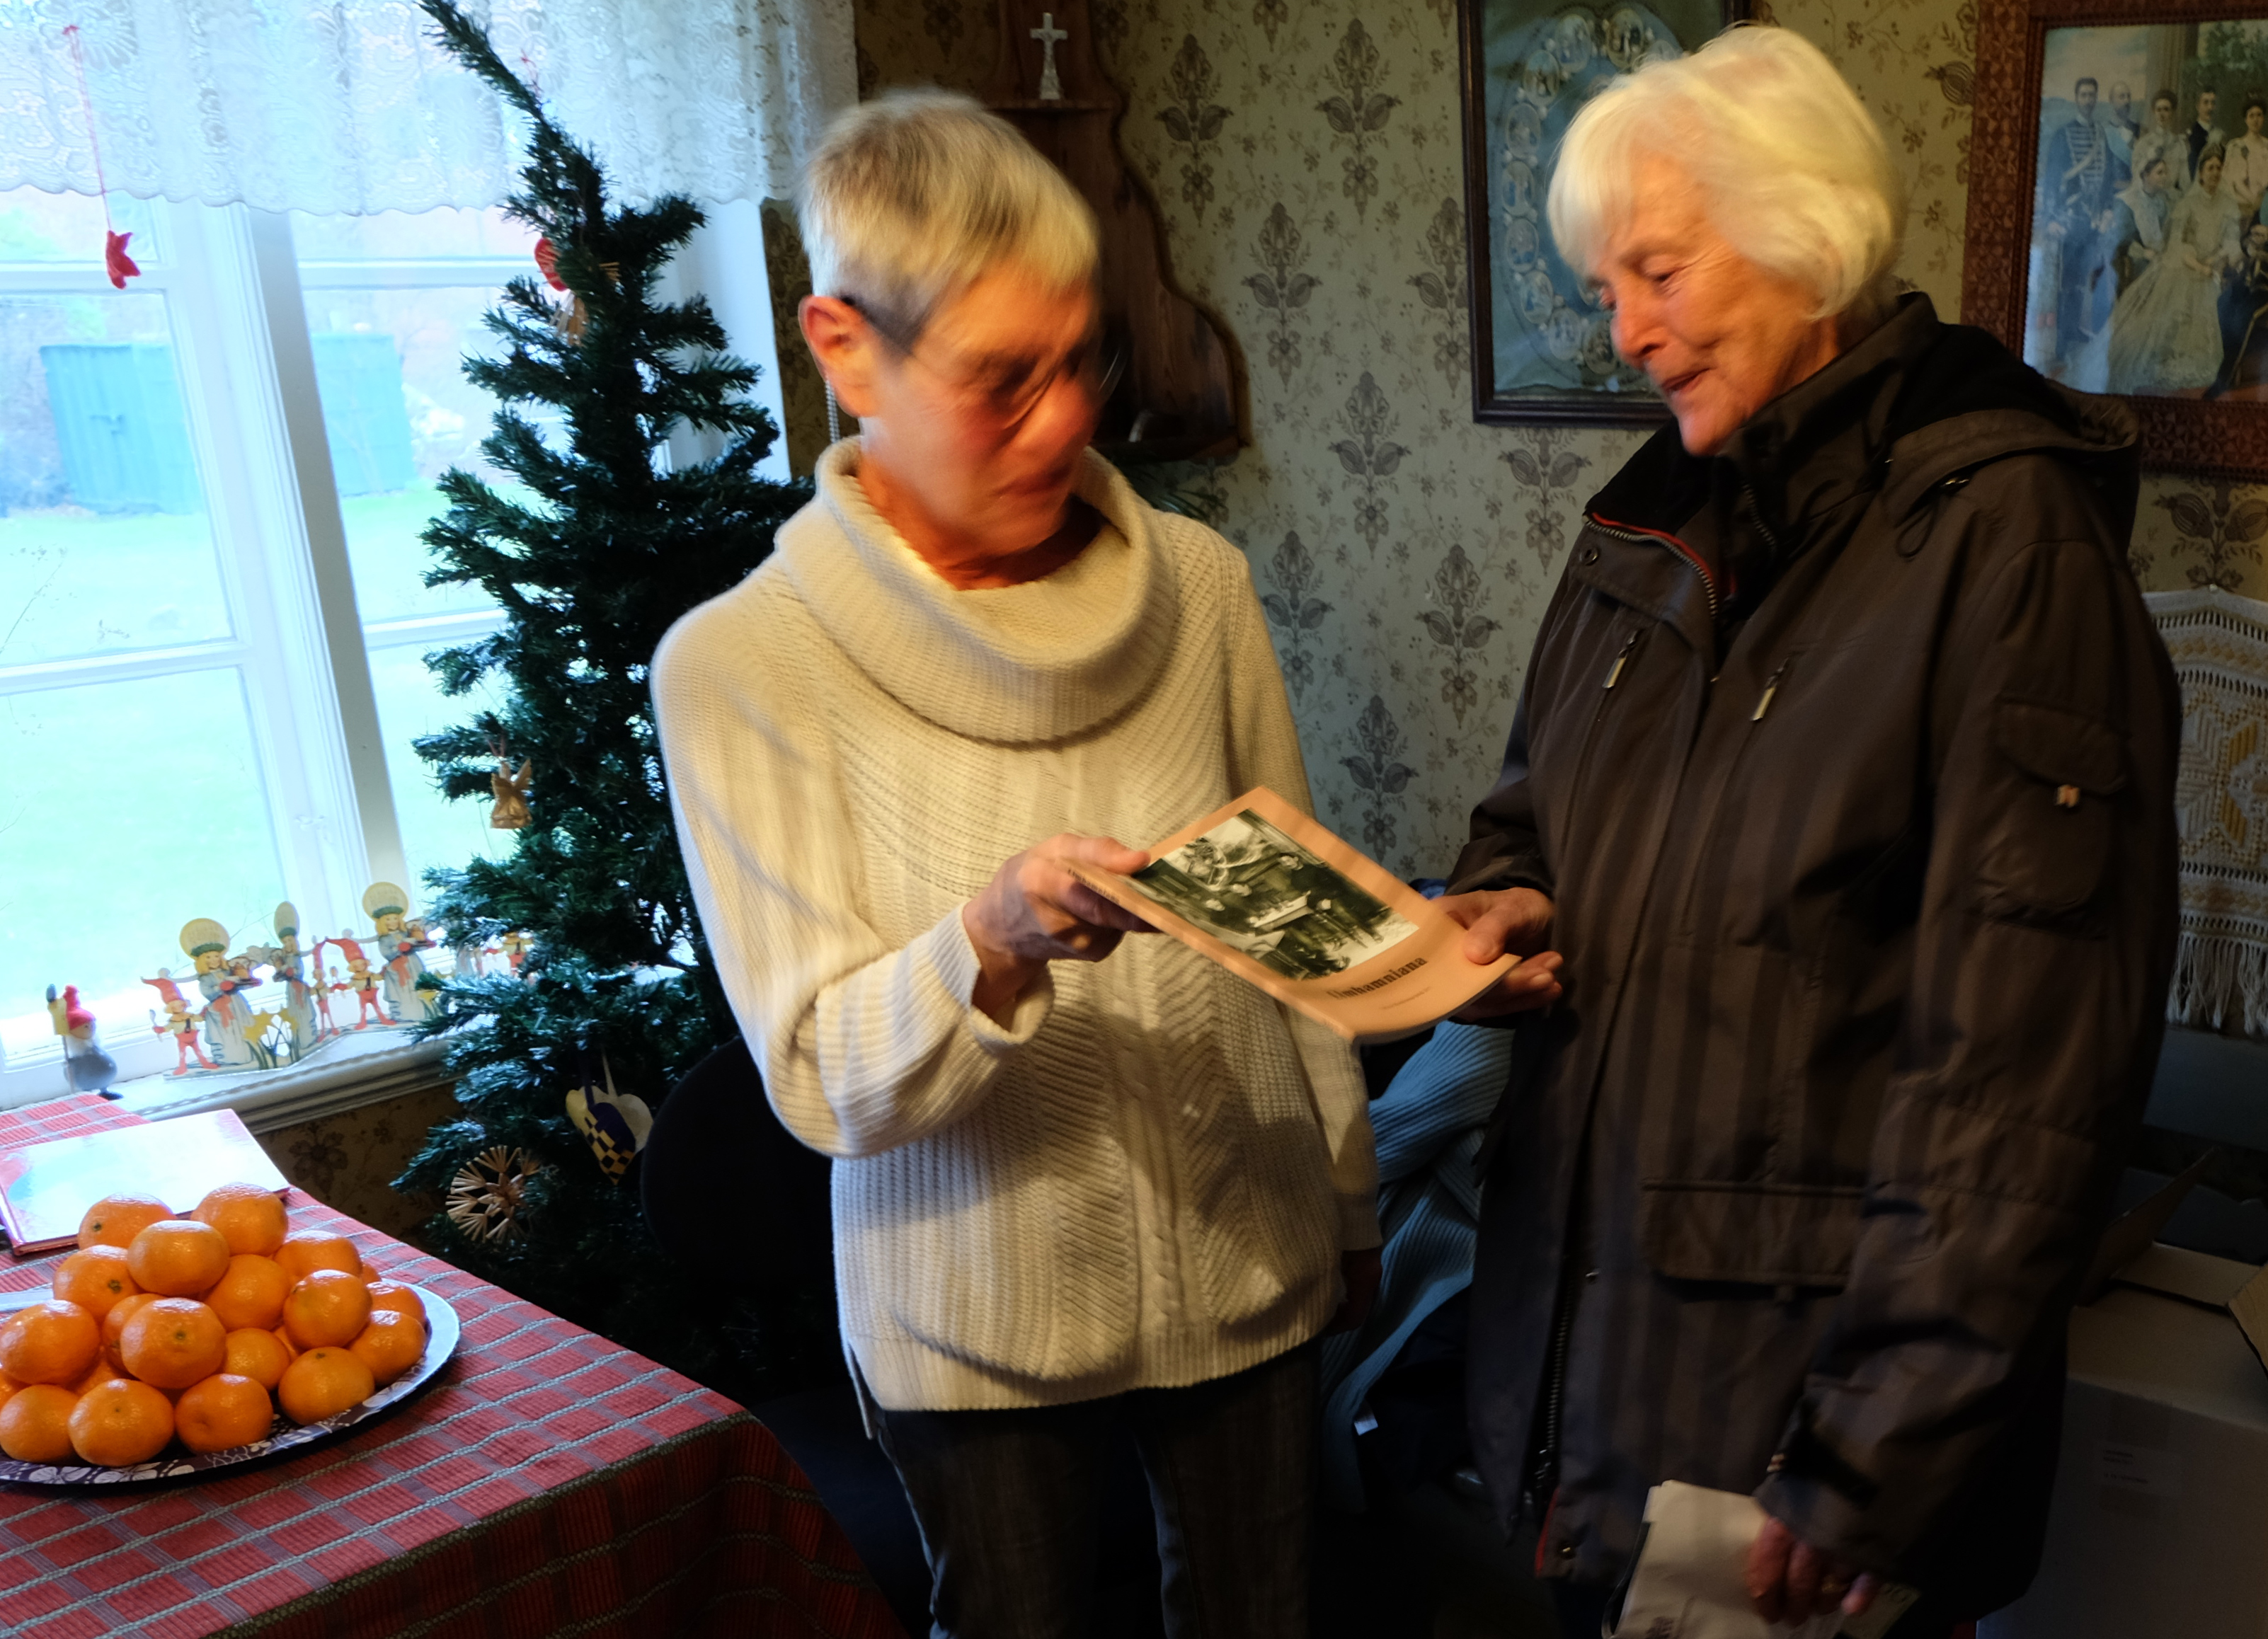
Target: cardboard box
{"type": "Point", "coordinates": [2160, 1523]}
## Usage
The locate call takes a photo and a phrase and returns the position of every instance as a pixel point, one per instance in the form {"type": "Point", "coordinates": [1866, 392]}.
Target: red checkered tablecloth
{"type": "Point", "coordinates": [546, 1482]}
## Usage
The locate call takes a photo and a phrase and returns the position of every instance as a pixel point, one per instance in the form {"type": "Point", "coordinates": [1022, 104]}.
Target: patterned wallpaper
{"type": "Point", "coordinates": [1306, 158]}
{"type": "Point", "coordinates": [349, 1160]}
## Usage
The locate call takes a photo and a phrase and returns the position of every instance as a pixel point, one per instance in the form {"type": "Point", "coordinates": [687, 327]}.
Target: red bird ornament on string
{"type": "Point", "coordinates": [116, 263]}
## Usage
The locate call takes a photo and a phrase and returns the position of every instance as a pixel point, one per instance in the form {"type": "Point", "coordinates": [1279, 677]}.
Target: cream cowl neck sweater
{"type": "Point", "coordinates": [1144, 1181]}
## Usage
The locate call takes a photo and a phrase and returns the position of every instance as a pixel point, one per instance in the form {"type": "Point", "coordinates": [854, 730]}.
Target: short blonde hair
{"type": "Point", "coordinates": [1794, 169]}
{"type": "Point", "coordinates": [912, 197]}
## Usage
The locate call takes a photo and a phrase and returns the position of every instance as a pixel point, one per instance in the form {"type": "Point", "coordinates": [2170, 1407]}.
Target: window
{"type": "Point", "coordinates": [212, 614]}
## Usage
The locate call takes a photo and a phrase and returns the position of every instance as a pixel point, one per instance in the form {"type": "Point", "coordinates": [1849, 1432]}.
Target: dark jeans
{"type": "Point", "coordinates": [1007, 1503]}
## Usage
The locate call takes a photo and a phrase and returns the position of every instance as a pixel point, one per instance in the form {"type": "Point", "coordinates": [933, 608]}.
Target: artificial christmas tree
{"type": "Point", "coordinates": [600, 541]}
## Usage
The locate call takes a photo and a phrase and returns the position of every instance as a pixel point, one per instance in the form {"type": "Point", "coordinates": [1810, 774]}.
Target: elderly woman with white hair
{"type": "Point", "coordinates": [1081, 1188]}
{"type": "Point", "coordinates": [1842, 783]}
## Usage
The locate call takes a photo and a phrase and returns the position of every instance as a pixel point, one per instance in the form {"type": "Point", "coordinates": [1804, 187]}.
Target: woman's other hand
{"type": "Point", "coordinates": [1790, 1580]}
{"type": "Point", "coordinates": [1034, 912]}
{"type": "Point", "coordinates": [1514, 922]}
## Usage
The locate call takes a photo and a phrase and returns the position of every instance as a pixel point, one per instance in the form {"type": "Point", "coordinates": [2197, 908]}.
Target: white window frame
{"type": "Point", "coordinates": [235, 289]}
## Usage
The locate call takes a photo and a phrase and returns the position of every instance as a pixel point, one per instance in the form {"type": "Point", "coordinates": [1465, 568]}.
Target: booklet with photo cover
{"type": "Point", "coordinates": [1276, 899]}
{"type": "Point", "coordinates": [46, 1189]}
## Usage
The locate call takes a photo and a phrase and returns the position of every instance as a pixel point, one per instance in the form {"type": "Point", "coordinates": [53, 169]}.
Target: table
{"type": "Point", "coordinates": [546, 1482]}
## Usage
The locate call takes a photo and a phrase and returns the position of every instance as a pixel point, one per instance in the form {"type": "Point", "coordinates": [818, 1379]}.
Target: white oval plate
{"type": "Point", "coordinates": [174, 1464]}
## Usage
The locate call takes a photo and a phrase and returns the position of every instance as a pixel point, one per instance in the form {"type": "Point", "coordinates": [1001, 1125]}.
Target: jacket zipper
{"type": "Point", "coordinates": [1622, 659]}
{"type": "Point", "coordinates": [1661, 537]}
{"type": "Point", "coordinates": [1740, 754]}
{"type": "Point", "coordinates": [1544, 1477]}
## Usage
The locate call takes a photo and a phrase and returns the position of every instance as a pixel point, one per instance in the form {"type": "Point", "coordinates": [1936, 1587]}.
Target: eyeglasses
{"type": "Point", "coordinates": [1004, 395]}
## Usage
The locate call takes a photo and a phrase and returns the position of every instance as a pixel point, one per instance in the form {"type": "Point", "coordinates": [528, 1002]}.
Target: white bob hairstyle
{"type": "Point", "coordinates": [1793, 169]}
{"type": "Point", "coordinates": [910, 198]}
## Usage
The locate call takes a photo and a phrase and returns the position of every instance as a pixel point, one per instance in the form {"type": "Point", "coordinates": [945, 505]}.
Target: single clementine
{"type": "Point", "coordinates": [390, 1344]}
{"type": "Point", "coordinates": [121, 1421]}
{"type": "Point", "coordinates": [320, 1384]}
{"type": "Point", "coordinates": [95, 1278]}
{"type": "Point", "coordinates": [114, 1325]}
{"type": "Point", "coordinates": [115, 1220]}
{"type": "Point", "coordinates": [260, 1356]}
{"type": "Point", "coordinates": [251, 1219]}
{"type": "Point", "coordinates": [394, 1295]}
{"type": "Point", "coordinates": [290, 1348]}
{"type": "Point", "coordinates": [328, 1307]}
{"type": "Point", "coordinates": [173, 1342]}
{"type": "Point", "coordinates": [305, 1251]}
{"type": "Point", "coordinates": [51, 1342]}
{"type": "Point", "coordinates": [35, 1423]}
{"type": "Point", "coordinates": [100, 1371]}
{"type": "Point", "coordinates": [178, 1258]}
{"type": "Point", "coordinates": [223, 1411]}
{"type": "Point", "coordinates": [251, 1293]}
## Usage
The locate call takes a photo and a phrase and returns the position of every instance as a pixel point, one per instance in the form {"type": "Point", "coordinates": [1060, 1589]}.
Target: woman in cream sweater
{"type": "Point", "coordinates": [1083, 1181]}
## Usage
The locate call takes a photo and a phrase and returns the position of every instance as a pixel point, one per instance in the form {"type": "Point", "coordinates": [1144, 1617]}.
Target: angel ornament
{"type": "Point", "coordinates": [511, 810]}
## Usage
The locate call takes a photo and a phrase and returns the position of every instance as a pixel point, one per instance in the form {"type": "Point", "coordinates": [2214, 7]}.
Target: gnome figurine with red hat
{"type": "Point", "coordinates": [86, 1067]}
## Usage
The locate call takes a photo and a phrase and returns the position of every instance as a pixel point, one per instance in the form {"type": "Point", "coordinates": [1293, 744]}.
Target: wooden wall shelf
{"type": "Point", "coordinates": [1182, 397]}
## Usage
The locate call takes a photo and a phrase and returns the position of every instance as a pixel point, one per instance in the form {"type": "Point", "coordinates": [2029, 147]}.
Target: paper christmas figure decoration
{"type": "Point", "coordinates": [362, 978]}
{"type": "Point", "coordinates": [399, 940]}
{"type": "Point", "coordinates": [291, 964]}
{"type": "Point", "coordinates": [227, 1018]}
{"type": "Point", "coordinates": [178, 1023]}
{"type": "Point", "coordinates": [615, 1125]}
{"type": "Point", "coordinates": [86, 1067]}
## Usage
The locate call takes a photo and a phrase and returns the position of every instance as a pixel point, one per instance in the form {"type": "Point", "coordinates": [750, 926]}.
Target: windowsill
{"type": "Point", "coordinates": [350, 1072]}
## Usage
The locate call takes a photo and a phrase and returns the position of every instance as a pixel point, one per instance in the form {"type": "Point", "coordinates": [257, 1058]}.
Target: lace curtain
{"type": "Point", "coordinates": [349, 105]}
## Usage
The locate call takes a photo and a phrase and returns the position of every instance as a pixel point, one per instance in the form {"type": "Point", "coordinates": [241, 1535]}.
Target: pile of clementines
{"type": "Point", "coordinates": [163, 1328]}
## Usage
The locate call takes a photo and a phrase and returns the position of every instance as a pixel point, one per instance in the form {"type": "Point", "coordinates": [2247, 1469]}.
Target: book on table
{"type": "Point", "coordinates": [1276, 899]}
{"type": "Point", "coordinates": [46, 1189]}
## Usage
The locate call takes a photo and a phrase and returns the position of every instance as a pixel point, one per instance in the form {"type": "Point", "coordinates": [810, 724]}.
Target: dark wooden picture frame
{"type": "Point", "coordinates": [2219, 437]}
{"type": "Point", "coordinates": [1494, 267]}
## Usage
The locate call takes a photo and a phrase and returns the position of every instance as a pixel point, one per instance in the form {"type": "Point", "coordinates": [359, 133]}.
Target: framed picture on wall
{"type": "Point", "coordinates": [1540, 347]}
{"type": "Point", "coordinates": [2118, 213]}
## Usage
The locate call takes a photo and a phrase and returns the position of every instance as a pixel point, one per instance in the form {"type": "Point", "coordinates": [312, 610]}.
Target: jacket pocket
{"type": "Point", "coordinates": [1756, 1234]}
{"type": "Point", "coordinates": [2047, 844]}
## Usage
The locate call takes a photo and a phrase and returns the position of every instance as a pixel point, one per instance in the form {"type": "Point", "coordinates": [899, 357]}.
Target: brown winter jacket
{"type": "Point", "coordinates": [1861, 850]}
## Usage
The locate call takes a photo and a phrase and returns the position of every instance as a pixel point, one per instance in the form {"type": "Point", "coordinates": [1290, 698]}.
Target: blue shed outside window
{"type": "Point", "coordinates": [125, 441]}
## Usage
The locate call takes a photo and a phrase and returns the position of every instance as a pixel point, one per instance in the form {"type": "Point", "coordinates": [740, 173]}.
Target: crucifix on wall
{"type": "Point", "coordinates": [1047, 33]}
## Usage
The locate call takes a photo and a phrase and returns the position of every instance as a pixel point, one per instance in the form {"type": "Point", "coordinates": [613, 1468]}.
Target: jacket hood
{"type": "Point", "coordinates": [1912, 404]}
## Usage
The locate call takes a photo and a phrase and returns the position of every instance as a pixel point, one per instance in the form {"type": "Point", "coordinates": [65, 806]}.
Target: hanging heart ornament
{"type": "Point", "coordinates": [614, 1124]}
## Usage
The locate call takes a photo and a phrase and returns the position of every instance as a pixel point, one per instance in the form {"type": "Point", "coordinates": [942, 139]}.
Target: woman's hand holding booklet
{"type": "Point", "coordinates": [1271, 895]}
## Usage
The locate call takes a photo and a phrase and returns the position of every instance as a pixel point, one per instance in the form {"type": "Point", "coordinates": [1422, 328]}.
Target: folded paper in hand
{"type": "Point", "coordinates": [1690, 1581]}
{"type": "Point", "coordinates": [1276, 899]}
